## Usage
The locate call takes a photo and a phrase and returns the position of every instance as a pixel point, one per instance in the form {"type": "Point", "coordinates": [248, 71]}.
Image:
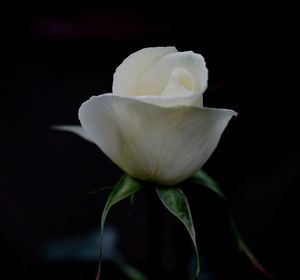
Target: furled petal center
{"type": "Point", "coordinates": [181, 83]}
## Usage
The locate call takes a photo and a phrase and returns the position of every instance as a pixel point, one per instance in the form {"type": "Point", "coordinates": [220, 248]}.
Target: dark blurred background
{"type": "Point", "coordinates": [54, 56]}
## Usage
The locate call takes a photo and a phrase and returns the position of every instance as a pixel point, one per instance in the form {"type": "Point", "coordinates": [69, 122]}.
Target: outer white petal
{"type": "Point", "coordinates": [128, 73]}
{"type": "Point", "coordinates": [155, 80]}
{"type": "Point", "coordinates": [77, 129]}
{"type": "Point", "coordinates": [163, 145]}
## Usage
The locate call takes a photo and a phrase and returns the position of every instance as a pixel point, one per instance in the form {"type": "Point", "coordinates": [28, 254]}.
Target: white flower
{"type": "Point", "coordinates": [154, 125]}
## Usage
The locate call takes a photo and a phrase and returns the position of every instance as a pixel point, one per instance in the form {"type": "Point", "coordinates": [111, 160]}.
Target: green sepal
{"type": "Point", "coordinates": [245, 249]}
{"type": "Point", "coordinates": [202, 178]}
{"type": "Point", "coordinates": [176, 202]}
{"type": "Point", "coordinates": [126, 187]}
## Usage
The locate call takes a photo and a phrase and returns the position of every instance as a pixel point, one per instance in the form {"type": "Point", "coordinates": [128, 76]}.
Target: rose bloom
{"type": "Point", "coordinates": [153, 125]}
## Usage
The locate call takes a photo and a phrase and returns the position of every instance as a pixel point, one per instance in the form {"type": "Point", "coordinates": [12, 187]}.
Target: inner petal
{"type": "Point", "coordinates": [155, 80]}
{"type": "Point", "coordinates": [181, 83]}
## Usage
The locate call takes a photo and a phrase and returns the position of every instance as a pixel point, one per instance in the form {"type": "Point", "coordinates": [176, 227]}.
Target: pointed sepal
{"type": "Point", "coordinates": [126, 187]}
{"type": "Point", "coordinates": [202, 178]}
{"type": "Point", "coordinates": [176, 202]}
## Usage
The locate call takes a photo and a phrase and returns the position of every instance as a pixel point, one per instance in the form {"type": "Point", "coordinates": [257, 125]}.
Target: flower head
{"type": "Point", "coordinates": [153, 125]}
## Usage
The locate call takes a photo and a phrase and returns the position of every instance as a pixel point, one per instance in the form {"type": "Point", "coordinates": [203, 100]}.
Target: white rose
{"type": "Point", "coordinates": [153, 125]}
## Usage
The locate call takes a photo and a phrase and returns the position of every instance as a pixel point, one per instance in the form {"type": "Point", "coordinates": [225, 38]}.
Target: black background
{"type": "Point", "coordinates": [54, 56]}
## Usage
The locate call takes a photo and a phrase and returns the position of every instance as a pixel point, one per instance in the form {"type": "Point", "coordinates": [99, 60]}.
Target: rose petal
{"type": "Point", "coordinates": [181, 83]}
{"type": "Point", "coordinates": [170, 101]}
{"type": "Point", "coordinates": [179, 91]}
{"type": "Point", "coordinates": [128, 73]}
{"type": "Point", "coordinates": [155, 80]}
{"type": "Point", "coordinates": [162, 145]}
{"type": "Point", "coordinates": [77, 129]}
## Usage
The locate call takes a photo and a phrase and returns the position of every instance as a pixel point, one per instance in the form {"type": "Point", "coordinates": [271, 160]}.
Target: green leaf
{"type": "Point", "coordinates": [176, 202]}
{"type": "Point", "coordinates": [126, 187]}
{"type": "Point", "coordinates": [201, 178]}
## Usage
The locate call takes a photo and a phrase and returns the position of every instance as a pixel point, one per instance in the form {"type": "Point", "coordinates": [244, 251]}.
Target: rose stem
{"type": "Point", "coordinates": [154, 234]}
